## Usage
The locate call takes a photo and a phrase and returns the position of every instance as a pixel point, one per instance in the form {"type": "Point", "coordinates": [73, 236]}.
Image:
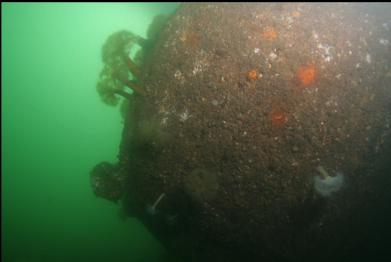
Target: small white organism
{"type": "Point", "coordinates": [325, 184]}
{"type": "Point", "coordinates": [152, 209]}
{"type": "Point", "coordinates": [384, 41]}
{"type": "Point", "coordinates": [368, 58]}
{"type": "Point", "coordinates": [272, 56]}
{"type": "Point", "coordinates": [184, 116]}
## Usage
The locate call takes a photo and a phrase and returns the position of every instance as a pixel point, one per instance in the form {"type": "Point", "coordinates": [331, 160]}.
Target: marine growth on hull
{"type": "Point", "coordinates": [251, 130]}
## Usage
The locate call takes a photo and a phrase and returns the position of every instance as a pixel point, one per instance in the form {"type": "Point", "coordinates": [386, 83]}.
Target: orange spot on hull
{"type": "Point", "coordinates": [278, 117]}
{"type": "Point", "coordinates": [191, 39]}
{"type": "Point", "coordinates": [269, 33]}
{"type": "Point", "coordinates": [306, 75]}
{"type": "Point", "coordinates": [296, 14]}
{"type": "Point", "coordinates": [252, 75]}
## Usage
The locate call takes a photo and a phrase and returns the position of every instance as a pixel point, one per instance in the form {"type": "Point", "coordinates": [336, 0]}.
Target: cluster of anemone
{"type": "Point", "coordinates": [118, 65]}
{"type": "Point", "coordinates": [115, 78]}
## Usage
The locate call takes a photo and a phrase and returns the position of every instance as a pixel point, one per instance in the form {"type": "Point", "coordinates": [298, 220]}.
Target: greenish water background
{"type": "Point", "coordinates": [55, 129]}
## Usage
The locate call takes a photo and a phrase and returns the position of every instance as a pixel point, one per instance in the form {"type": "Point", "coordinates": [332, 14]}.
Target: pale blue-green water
{"type": "Point", "coordinates": [55, 129]}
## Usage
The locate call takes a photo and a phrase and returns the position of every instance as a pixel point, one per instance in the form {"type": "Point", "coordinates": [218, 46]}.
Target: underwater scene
{"type": "Point", "coordinates": [190, 132]}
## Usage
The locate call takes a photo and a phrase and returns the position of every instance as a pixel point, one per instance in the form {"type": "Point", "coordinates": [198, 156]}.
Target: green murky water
{"type": "Point", "coordinates": [55, 128]}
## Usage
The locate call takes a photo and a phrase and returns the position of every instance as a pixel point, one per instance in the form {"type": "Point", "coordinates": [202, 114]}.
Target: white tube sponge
{"type": "Point", "coordinates": [325, 184]}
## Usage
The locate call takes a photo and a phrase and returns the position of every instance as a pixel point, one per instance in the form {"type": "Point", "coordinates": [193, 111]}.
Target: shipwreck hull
{"type": "Point", "coordinates": [243, 103]}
